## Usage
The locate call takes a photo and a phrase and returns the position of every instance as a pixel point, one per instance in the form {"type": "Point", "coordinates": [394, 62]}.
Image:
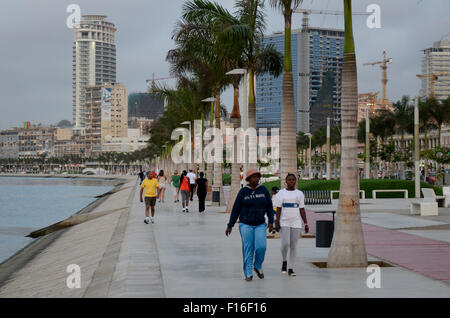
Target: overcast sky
{"type": "Point", "coordinates": [36, 47]}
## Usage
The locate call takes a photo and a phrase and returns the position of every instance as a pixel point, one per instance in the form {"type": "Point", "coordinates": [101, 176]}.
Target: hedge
{"type": "Point", "coordinates": [367, 185]}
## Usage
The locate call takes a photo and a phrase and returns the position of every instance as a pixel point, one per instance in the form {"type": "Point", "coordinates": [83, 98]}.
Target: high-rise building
{"type": "Point", "coordinates": [317, 57]}
{"type": "Point", "coordinates": [94, 60]}
{"type": "Point", "coordinates": [106, 115]}
{"type": "Point", "coordinates": [437, 60]}
{"type": "Point", "coordinates": [9, 144]}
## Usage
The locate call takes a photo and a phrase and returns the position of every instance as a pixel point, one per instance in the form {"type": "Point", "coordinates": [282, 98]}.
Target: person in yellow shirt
{"type": "Point", "coordinates": [151, 187]}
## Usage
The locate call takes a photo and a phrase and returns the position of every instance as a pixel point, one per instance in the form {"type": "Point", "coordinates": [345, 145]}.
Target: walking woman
{"type": "Point", "coordinates": [291, 216]}
{"type": "Point", "coordinates": [185, 191]}
{"type": "Point", "coordinates": [251, 206]}
{"type": "Point", "coordinates": [202, 189]}
{"type": "Point", "coordinates": [176, 185]}
{"type": "Point", "coordinates": [162, 185]}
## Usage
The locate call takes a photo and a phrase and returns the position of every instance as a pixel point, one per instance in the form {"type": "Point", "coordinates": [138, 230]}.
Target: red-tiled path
{"type": "Point", "coordinates": [421, 255]}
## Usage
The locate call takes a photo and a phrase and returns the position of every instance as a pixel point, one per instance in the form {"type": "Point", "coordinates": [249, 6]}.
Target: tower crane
{"type": "Point", "coordinates": [433, 78]}
{"type": "Point", "coordinates": [153, 80]}
{"type": "Point", "coordinates": [384, 63]}
{"type": "Point", "coordinates": [307, 12]}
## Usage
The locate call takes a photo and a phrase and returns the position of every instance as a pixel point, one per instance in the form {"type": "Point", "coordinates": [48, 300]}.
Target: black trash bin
{"type": "Point", "coordinates": [324, 233]}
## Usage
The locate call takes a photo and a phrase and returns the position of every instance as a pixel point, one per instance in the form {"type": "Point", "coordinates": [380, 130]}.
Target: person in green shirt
{"type": "Point", "coordinates": [176, 184]}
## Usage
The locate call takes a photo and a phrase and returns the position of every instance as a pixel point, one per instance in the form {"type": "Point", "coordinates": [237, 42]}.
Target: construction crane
{"type": "Point", "coordinates": [433, 78]}
{"type": "Point", "coordinates": [307, 12]}
{"type": "Point", "coordinates": [153, 80]}
{"type": "Point", "coordinates": [384, 63]}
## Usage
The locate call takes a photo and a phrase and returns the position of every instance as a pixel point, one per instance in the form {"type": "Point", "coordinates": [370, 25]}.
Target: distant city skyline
{"type": "Point", "coordinates": [36, 67]}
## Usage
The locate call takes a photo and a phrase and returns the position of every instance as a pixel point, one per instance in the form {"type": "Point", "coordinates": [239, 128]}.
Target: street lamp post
{"type": "Point", "coordinates": [244, 88]}
{"type": "Point", "coordinates": [190, 142]}
{"type": "Point", "coordinates": [236, 117]}
{"type": "Point", "coordinates": [310, 154]}
{"type": "Point", "coordinates": [367, 166]}
{"type": "Point", "coordinates": [328, 148]}
{"type": "Point", "coordinates": [209, 166]}
{"type": "Point", "coordinates": [416, 149]}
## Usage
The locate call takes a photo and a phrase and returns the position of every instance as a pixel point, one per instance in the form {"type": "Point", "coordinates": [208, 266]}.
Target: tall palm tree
{"type": "Point", "coordinates": [348, 247]}
{"type": "Point", "coordinates": [240, 38]}
{"type": "Point", "coordinates": [288, 117]}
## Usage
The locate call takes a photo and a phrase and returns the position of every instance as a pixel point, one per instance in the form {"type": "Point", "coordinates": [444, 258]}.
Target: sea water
{"type": "Point", "coordinates": [28, 204]}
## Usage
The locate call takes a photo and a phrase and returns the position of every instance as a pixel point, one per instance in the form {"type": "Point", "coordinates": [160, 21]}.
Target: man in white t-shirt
{"type": "Point", "coordinates": [192, 177]}
{"type": "Point", "coordinates": [291, 216]}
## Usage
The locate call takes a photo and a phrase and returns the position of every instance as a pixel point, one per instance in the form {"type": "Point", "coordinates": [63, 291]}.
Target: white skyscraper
{"type": "Point", "coordinates": [437, 60]}
{"type": "Point", "coordinates": [94, 60]}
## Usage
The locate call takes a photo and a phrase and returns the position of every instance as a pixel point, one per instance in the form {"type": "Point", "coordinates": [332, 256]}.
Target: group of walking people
{"type": "Point", "coordinates": [285, 212]}
{"type": "Point", "coordinates": [253, 203]}
{"type": "Point", "coordinates": [185, 184]}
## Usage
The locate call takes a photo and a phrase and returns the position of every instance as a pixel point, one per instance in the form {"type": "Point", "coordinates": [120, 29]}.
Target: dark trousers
{"type": "Point", "coordinates": [192, 186]}
{"type": "Point", "coordinates": [201, 201]}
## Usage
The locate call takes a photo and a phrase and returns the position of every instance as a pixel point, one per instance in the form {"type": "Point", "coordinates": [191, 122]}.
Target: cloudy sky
{"type": "Point", "coordinates": [36, 47]}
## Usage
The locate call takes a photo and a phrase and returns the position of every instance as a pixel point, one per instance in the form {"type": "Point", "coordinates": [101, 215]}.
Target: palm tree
{"type": "Point", "coordinates": [288, 117]}
{"type": "Point", "coordinates": [440, 113]}
{"type": "Point", "coordinates": [348, 247]}
{"type": "Point", "coordinates": [238, 41]}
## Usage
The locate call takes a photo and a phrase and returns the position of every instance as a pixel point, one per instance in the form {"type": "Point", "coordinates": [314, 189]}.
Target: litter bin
{"type": "Point", "coordinates": [324, 233]}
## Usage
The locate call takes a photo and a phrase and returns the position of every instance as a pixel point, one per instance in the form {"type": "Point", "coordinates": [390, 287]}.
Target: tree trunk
{"type": "Point", "coordinates": [288, 142]}
{"type": "Point", "coordinates": [348, 247]}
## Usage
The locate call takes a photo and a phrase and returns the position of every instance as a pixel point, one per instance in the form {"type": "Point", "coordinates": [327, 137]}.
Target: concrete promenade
{"type": "Point", "coordinates": [188, 255]}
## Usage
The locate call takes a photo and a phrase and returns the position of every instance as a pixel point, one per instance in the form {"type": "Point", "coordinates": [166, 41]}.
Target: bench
{"type": "Point", "coordinates": [431, 195]}
{"type": "Point", "coordinates": [374, 192]}
{"type": "Point", "coordinates": [427, 207]}
{"type": "Point", "coordinates": [446, 193]}
{"type": "Point", "coordinates": [319, 197]}
{"type": "Point", "coordinates": [362, 192]}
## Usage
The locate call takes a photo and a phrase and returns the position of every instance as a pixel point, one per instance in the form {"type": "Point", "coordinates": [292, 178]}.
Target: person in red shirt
{"type": "Point", "coordinates": [185, 190]}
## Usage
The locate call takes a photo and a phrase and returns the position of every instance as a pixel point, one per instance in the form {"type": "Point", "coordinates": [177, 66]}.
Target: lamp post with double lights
{"type": "Point", "coordinates": [189, 165]}
{"type": "Point", "coordinates": [209, 166]}
{"type": "Point", "coordinates": [237, 122]}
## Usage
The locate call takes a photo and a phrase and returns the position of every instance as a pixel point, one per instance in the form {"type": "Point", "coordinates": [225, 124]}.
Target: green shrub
{"type": "Point", "coordinates": [367, 185]}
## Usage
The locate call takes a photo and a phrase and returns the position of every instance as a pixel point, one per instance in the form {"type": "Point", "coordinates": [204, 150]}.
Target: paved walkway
{"type": "Point", "coordinates": [188, 255]}
{"type": "Point", "coordinates": [421, 255]}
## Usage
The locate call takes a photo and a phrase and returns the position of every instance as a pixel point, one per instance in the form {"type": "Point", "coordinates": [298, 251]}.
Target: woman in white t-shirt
{"type": "Point", "coordinates": [291, 216]}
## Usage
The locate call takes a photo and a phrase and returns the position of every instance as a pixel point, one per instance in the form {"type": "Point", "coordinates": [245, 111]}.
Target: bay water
{"type": "Point", "coordinates": [28, 204]}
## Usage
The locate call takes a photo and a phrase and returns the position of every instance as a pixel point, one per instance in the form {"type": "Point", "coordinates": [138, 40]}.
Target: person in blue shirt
{"type": "Point", "coordinates": [252, 205]}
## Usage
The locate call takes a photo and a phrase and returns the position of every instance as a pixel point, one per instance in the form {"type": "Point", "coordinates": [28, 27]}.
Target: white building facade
{"type": "Point", "coordinates": [437, 60]}
{"type": "Point", "coordinates": [94, 60]}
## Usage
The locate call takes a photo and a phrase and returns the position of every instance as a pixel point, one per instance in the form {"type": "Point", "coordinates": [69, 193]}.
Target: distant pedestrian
{"type": "Point", "coordinates": [242, 177]}
{"type": "Point", "coordinates": [202, 189]}
{"type": "Point", "coordinates": [141, 177]}
{"type": "Point", "coordinates": [291, 216]}
{"type": "Point", "coordinates": [252, 204]}
{"type": "Point", "coordinates": [192, 177]}
{"type": "Point", "coordinates": [162, 185]}
{"type": "Point", "coordinates": [275, 191]}
{"type": "Point", "coordinates": [151, 187]}
{"type": "Point", "coordinates": [185, 190]}
{"type": "Point", "coordinates": [176, 185]}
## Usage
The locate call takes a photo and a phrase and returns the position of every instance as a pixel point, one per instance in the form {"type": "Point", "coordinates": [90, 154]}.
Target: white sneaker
{"type": "Point", "coordinates": [184, 210]}
{"type": "Point", "coordinates": [153, 220]}
{"type": "Point", "coordinates": [187, 210]}
{"type": "Point", "coordinates": [146, 221]}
